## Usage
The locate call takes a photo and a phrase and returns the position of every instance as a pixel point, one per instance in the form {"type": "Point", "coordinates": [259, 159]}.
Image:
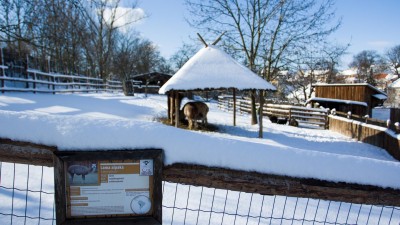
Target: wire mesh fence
{"type": "Point", "coordinates": [27, 197]}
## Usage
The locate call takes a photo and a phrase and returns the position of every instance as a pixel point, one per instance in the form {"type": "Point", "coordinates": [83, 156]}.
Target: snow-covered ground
{"type": "Point", "coordinates": [114, 121]}
{"type": "Point", "coordinates": [381, 113]}
{"type": "Point", "coordinates": [106, 121]}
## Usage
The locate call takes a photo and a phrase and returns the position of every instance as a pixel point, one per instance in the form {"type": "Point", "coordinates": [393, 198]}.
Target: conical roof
{"type": "Point", "coordinates": [212, 68]}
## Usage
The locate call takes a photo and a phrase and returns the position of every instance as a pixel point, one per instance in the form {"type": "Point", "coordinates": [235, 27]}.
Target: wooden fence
{"type": "Point", "coordinates": [305, 116]}
{"type": "Point", "coordinates": [37, 81]}
{"type": "Point", "coordinates": [375, 135]}
{"type": "Point", "coordinates": [229, 179]}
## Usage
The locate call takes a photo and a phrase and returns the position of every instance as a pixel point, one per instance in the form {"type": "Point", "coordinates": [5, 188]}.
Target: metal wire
{"type": "Point", "coordinates": [200, 205]}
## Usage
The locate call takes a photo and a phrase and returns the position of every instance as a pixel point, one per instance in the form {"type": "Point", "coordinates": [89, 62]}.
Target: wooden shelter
{"type": "Point", "coordinates": [360, 99]}
{"type": "Point", "coordinates": [148, 83]}
{"type": "Point", "coordinates": [210, 69]}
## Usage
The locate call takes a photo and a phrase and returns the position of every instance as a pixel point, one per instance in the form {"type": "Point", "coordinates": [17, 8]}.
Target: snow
{"type": "Point", "coordinates": [105, 121]}
{"type": "Point", "coordinates": [380, 96]}
{"type": "Point", "coordinates": [337, 100]}
{"type": "Point", "coordinates": [395, 84]}
{"type": "Point", "coordinates": [349, 72]}
{"type": "Point", "coordinates": [381, 113]}
{"type": "Point", "coordinates": [213, 68]}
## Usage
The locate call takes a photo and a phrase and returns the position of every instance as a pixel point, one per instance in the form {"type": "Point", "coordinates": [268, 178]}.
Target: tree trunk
{"type": "Point", "coordinates": [253, 107]}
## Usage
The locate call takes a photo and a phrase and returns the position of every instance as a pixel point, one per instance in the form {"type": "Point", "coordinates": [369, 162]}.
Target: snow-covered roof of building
{"type": "Point", "coordinates": [395, 84]}
{"type": "Point", "coordinates": [380, 96]}
{"type": "Point", "coordinates": [315, 72]}
{"type": "Point", "coordinates": [212, 68]}
{"type": "Point", "coordinates": [349, 102]}
{"type": "Point", "coordinates": [348, 72]}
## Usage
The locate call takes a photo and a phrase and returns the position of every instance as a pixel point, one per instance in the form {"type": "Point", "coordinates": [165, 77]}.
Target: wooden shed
{"type": "Point", "coordinates": [360, 99]}
{"type": "Point", "coordinates": [148, 83]}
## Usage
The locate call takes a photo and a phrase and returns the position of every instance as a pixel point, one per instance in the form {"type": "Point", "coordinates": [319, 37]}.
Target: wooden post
{"type": "Point", "coordinates": [172, 106]}
{"type": "Point", "coordinates": [54, 84]}
{"type": "Point", "coordinates": [253, 107]}
{"type": "Point", "coordinates": [234, 107]}
{"type": "Point", "coordinates": [169, 105]}
{"type": "Point", "coordinates": [3, 72]}
{"type": "Point", "coordinates": [34, 83]}
{"type": "Point", "coordinates": [177, 109]}
{"type": "Point", "coordinates": [260, 115]}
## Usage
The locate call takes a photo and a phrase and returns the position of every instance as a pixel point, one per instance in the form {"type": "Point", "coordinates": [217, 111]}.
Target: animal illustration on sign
{"type": "Point", "coordinates": [194, 111]}
{"type": "Point", "coordinates": [80, 170]}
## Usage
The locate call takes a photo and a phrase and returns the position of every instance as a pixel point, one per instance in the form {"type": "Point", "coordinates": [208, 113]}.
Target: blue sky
{"type": "Point", "coordinates": [366, 25]}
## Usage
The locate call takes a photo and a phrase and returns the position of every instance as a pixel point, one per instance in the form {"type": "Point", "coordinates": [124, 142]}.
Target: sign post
{"type": "Point", "coordinates": [108, 187]}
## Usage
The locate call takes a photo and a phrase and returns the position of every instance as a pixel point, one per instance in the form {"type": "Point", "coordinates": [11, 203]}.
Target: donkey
{"type": "Point", "coordinates": [194, 111]}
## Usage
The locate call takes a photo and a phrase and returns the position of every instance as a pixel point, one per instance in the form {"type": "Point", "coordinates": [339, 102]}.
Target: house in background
{"type": "Point", "coordinates": [347, 76]}
{"type": "Point", "coordinates": [360, 99]}
{"type": "Point", "coordinates": [394, 95]}
{"type": "Point", "coordinates": [384, 80]}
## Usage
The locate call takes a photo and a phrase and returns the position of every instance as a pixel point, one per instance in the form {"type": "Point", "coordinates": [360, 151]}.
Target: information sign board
{"type": "Point", "coordinates": [111, 185]}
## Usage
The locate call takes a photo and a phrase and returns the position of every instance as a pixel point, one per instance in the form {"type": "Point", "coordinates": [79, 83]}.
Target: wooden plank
{"type": "Point", "coordinates": [26, 153]}
{"type": "Point", "coordinates": [267, 184]}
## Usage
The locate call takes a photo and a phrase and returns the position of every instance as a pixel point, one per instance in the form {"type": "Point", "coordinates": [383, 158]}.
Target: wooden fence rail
{"type": "Point", "coordinates": [308, 116]}
{"type": "Point", "coordinates": [37, 81]}
{"type": "Point", "coordinates": [378, 136]}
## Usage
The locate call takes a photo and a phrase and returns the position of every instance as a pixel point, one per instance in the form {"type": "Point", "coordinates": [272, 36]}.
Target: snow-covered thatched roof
{"type": "Point", "coordinates": [212, 68]}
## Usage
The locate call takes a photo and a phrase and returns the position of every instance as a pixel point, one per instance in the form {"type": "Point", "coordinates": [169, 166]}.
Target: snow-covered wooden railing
{"type": "Point", "coordinates": [37, 81]}
{"type": "Point", "coordinates": [304, 115]}
{"type": "Point", "coordinates": [308, 116]}
{"type": "Point", "coordinates": [229, 179]}
{"type": "Point", "coordinates": [375, 135]}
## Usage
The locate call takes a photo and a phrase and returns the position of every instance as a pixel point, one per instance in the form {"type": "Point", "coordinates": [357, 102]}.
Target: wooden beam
{"type": "Point", "coordinates": [171, 107]}
{"type": "Point", "coordinates": [218, 39]}
{"type": "Point", "coordinates": [267, 184]}
{"type": "Point", "coordinates": [202, 40]}
{"type": "Point", "coordinates": [26, 153]}
{"type": "Point", "coordinates": [177, 108]}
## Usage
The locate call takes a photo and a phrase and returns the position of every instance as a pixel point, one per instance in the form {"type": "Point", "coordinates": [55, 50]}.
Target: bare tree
{"type": "Point", "coordinates": [367, 62]}
{"type": "Point", "coordinates": [184, 53]}
{"type": "Point", "coordinates": [71, 36]}
{"type": "Point", "coordinates": [393, 57]}
{"type": "Point", "coordinates": [264, 33]}
{"type": "Point", "coordinates": [331, 59]}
